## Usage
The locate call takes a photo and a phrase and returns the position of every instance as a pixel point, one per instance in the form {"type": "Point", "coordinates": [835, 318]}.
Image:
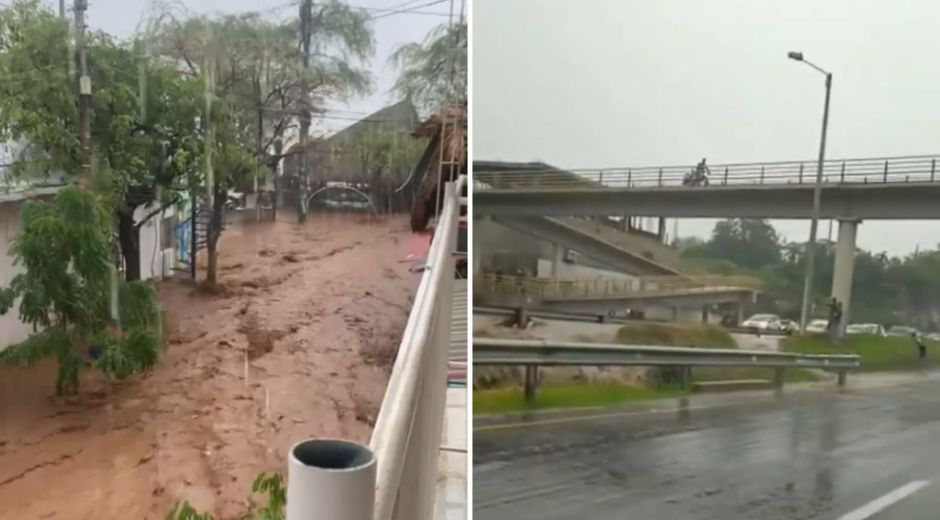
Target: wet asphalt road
{"type": "Point", "coordinates": [813, 455]}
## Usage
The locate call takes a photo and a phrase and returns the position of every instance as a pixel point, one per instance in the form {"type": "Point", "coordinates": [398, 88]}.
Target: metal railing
{"type": "Point", "coordinates": [404, 450]}
{"type": "Point", "coordinates": [878, 170]}
{"type": "Point", "coordinates": [535, 353]}
{"type": "Point", "coordinates": [550, 288]}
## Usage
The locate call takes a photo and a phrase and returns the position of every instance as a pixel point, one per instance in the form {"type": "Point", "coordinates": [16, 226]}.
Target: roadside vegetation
{"type": "Point", "coordinates": [698, 335]}
{"type": "Point", "coordinates": [894, 290]}
{"type": "Point", "coordinates": [566, 395]}
{"type": "Point", "coordinates": [877, 352]}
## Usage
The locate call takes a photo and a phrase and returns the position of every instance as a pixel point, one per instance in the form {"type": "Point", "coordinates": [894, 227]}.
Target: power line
{"type": "Point", "coordinates": [409, 10]}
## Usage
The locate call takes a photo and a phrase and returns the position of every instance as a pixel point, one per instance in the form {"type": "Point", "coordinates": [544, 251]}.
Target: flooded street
{"type": "Point", "coordinates": [296, 342]}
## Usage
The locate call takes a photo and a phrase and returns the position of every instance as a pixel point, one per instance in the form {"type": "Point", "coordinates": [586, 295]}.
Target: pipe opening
{"type": "Point", "coordinates": [332, 454]}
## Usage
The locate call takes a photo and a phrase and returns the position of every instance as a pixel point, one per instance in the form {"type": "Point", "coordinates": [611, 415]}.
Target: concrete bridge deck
{"type": "Point", "coordinates": [855, 189]}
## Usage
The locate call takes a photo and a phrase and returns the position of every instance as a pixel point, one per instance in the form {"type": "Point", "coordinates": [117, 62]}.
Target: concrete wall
{"type": "Point", "coordinates": [505, 249]}
{"type": "Point", "coordinates": [12, 330]}
{"type": "Point", "coordinates": [155, 262]}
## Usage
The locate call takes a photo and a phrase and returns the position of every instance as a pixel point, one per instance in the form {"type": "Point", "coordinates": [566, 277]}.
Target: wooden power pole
{"type": "Point", "coordinates": [302, 174]}
{"type": "Point", "coordinates": [84, 93]}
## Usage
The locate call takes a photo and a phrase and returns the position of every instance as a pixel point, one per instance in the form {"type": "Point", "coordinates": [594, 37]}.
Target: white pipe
{"type": "Point", "coordinates": [330, 480]}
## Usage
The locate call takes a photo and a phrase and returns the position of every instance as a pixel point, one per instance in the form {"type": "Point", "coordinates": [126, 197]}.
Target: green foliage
{"type": "Point", "coordinates": [258, 69]}
{"type": "Point", "coordinates": [675, 334]}
{"type": "Point", "coordinates": [63, 247]}
{"type": "Point", "coordinates": [185, 511]}
{"type": "Point", "coordinates": [877, 352]}
{"type": "Point", "coordinates": [272, 486]}
{"type": "Point", "coordinates": [387, 157]}
{"type": "Point", "coordinates": [434, 73]}
{"type": "Point", "coordinates": [887, 290]}
{"type": "Point", "coordinates": [565, 395]}
{"type": "Point", "coordinates": [749, 243]}
{"type": "Point", "coordinates": [66, 288]}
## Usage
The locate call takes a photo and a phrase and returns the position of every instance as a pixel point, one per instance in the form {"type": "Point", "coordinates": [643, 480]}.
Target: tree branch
{"type": "Point", "coordinates": [153, 213]}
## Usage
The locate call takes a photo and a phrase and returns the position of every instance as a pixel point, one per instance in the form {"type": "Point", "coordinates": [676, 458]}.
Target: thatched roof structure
{"type": "Point", "coordinates": [447, 126]}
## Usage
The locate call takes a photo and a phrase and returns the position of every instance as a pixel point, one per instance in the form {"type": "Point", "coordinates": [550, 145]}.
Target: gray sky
{"type": "Point", "coordinates": [605, 83]}
{"type": "Point", "coordinates": [120, 17]}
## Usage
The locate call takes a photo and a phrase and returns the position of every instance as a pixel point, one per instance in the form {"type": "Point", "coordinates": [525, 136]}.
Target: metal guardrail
{"type": "Point", "coordinates": [395, 477]}
{"type": "Point", "coordinates": [535, 353]}
{"type": "Point", "coordinates": [550, 288]}
{"type": "Point", "coordinates": [520, 313]}
{"type": "Point", "coordinates": [878, 170]}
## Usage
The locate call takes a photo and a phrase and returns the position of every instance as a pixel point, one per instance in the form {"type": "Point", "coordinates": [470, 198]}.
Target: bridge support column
{"type": "Point", "coordinates": [661, 233]}
{"type": "Point", "coordinates": [843, 269]}
{"type": "Point", "coordinates": [558, 256]}
{"type": "Point", "coordinates": [477, 260]}
{"type": "Point", "coordinates": [704, 313]}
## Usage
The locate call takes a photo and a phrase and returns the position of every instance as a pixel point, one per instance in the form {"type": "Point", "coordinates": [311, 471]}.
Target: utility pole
{"type": "Point", "coordinates": [303, 176]}
{"type": "Point", "coordinates": [84, 94]}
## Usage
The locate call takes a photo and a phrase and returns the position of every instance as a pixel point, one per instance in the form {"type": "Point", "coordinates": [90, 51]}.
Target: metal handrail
{"type": "Point", "coordinates": [408, 429]}
{"type": "Point", "coordinates": [550, 288]}
{"type": "Point", "coordinates": [879, 170]}
{"type": "Point", "coordinates": [395, 477]}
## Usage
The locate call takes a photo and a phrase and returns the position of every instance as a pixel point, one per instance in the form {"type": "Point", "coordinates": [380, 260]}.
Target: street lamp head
{"type": "Point", "coordinates": [798, 56]}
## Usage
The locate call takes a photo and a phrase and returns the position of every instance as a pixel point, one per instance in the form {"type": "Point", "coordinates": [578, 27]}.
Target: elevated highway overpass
{"type": "Point", "coordinates": [571, 234]}
{"type": "Point", "coordinates": [882, 188]}
{"type": "Point", "coordinates": [604, 296]}
{"type": "Point", "coordinates": [852, 189]}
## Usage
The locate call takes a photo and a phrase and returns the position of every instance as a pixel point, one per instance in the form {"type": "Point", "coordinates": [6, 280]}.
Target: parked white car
{"type": "Point", "coordinates": [865, 328]}
{"type": "Point", "coordinates": [817, 326]}
{"type": "Point", "coordinates": [763, 323]}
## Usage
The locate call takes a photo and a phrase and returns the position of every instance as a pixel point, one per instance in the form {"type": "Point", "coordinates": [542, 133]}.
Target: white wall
{"type": "Point", "coordinates": [151, 256]}
{"type": "Point", "coordinates": [12, 330]}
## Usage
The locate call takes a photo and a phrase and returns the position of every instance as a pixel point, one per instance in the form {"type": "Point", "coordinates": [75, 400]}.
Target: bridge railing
{"type": "Point", "coordinates": [550, 288]}
{"type": "Point", "coordinates": [535, 353]}
{"type": "Point", "coordinates": [395, 477]}
{"type": "Point", "coordinates": [878, 170]}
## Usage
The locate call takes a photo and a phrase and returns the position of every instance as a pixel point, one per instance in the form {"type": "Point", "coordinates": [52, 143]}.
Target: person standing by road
{"type": "Point", "coordinates": [921, 346]}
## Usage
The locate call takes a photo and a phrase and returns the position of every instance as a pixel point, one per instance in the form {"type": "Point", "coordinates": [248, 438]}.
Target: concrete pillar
{"type": "Point", "coordinates": [739, 308]}
{"type": "Point", "coordinates": [477, 259]}
{"type": "Point", "coordinates": [661, 233]}
{"type": "Point", "coordinates": [675, 313]}
{"type": "Point", "coordinates": [844, 266]}
{"type": "Point", "coordinates": [558, 256]}
{"type": "Point", "coordinates": [704, 313]}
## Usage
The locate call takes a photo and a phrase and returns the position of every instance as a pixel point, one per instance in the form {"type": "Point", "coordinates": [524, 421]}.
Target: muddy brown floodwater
{"type": "Point", "coordinates": [298, 342]}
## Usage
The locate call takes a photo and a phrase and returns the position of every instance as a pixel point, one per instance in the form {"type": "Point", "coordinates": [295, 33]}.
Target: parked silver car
{"type": "Point", "coordinates": [763, 323]}
{"type": "Point", "coordinates": [865, 328]}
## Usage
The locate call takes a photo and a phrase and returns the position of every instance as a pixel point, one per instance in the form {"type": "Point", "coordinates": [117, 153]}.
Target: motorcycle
{"type": "Point", "coordinates": [695, 178]}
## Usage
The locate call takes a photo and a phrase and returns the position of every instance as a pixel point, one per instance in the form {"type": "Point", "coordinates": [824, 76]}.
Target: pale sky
{"type": "Point", "coordinates": [121, 17]}
{"type": "Point", "coordinates": [608, 83]}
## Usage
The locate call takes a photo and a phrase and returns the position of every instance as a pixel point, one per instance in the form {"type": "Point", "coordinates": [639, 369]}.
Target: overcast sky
{"type": "Point", "coordinates": [121, 17]}
{"type": "Point", "coordinates": [606, 83]}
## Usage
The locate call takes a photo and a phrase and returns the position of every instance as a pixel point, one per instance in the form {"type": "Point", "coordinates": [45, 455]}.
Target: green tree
{"type": "Point", "coordinates": [271, 486]}
{"type": "Point", "coordinates": [388, 157]}
{"type": "Point", "coordinates": [258, 66]}
{"type": "Point", "coordinates": [143, 122]}
{"type": "Point", "coordinates": [434, 72]}
{"type": "Point", "coordinates": [749, 243]}
{"type": "Point", "coordinates": [66, 292]}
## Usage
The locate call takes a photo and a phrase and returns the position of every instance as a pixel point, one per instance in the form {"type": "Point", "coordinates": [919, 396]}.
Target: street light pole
{"type": "Point", "coordinates": [817, 195]}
